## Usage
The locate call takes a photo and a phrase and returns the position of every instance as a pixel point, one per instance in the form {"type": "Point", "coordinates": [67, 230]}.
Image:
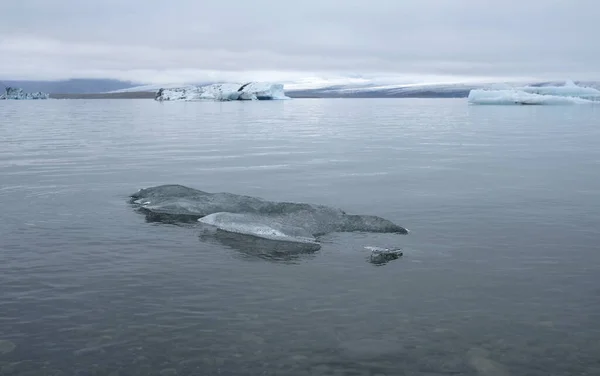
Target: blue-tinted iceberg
{"type": "Point", "coordinates": [570, 93]}
{"type": "Point", "coordinates": [224, 92]}
{"type": "Point", "coordinates": [15, 93]}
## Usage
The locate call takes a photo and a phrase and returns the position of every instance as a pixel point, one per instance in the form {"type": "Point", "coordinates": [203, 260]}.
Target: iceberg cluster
{"type": "Point", "coordinates": [18, 94]}
{"type": "Point", "coordinates": [224, 92]}
{"type": "Point", "coordinates": [570, 93]}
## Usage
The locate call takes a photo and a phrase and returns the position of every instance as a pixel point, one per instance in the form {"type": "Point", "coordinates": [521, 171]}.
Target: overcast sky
{"type": "Point", "coordinates": [162, 41]}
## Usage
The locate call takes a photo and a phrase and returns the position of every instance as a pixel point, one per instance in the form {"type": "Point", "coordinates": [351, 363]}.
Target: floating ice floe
{"type": "Point", "coordinates": [253, 222]}
{"type": "Point", "coordinates": [224, 92]}
{"type": "Point", "coordinates": [570, 93]}
{"type": "Point", "coordinates": [15, 93]}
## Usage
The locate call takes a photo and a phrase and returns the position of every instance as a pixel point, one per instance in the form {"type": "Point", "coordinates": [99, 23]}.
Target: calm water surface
{"type": "Point", "coordinates": [501, 272]}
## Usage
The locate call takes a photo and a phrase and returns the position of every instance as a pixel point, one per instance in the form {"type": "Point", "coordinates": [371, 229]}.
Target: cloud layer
{"type": "Point", "coordinates": [189, 40]}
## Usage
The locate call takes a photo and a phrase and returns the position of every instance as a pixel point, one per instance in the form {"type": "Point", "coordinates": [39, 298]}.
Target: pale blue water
{"type": "Point", "coordinates": [501, 272]}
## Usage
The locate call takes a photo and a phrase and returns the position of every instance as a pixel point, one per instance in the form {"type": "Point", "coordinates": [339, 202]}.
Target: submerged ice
{"type": "Point", "coordinates": [253, 216]}
{"type": "Point", "coordinates": [263, 226]}
{"type": "Point", "coordinates": [570, 93]}
{"type": "Point", "coordinates": [224, 92]}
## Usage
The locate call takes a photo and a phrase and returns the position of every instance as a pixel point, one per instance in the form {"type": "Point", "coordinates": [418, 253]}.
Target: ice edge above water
{"type": "Point", "coordinates": [14, 93]}
{"type": "Point", "coordinates": [570, 93]}
{"type": "Point", "coordinates": [224, 92]}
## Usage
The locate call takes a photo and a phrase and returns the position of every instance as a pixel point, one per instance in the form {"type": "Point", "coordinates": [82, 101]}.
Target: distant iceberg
{"type": "Point", "coordinates": [570, 93]}
{"type": "Point", "coordinates": [18, 94]}
{"type": "Point", "coordinates": [224, 92]}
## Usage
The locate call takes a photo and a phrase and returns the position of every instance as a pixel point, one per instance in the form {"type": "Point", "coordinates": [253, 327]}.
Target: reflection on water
{"type": "Point", "coordinates": [255, 247]}
{"type": "Point", "coordinates": [499, 273]}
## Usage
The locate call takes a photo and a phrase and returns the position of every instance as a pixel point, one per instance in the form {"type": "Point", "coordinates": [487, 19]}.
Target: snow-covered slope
{"type": "Point", "coordinates": [353, 86]}
{"type": "Point", "coordinates": [152, 88]}
{"type": "Point", "coordinates": [18, 94]}
{"type": "Point", "coordinates": [390, 86]}
{"type": "Point", "coordinates": [569, 93]}
{"type": "Point", "coordinates": [224, 92]}
{"type": "Point", "coordinates": [389, 91]}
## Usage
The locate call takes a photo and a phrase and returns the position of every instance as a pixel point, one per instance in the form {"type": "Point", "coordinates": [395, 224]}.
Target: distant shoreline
{"type": "Point", "coordinates": [115, 89]}
{"type": "Point", "coordinates": [298, 95]}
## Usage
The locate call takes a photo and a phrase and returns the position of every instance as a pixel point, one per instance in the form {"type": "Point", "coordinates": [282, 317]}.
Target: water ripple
{"type": "Point", "coordinates": [499, 268]}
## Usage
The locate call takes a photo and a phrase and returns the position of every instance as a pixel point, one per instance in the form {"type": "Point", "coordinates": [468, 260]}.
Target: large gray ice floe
{"type": "Point", "coordinates": [297, 224]}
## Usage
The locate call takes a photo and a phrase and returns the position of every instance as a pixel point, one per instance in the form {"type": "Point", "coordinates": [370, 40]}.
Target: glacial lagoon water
{"type": "Point", "coordinates": [500, 273]}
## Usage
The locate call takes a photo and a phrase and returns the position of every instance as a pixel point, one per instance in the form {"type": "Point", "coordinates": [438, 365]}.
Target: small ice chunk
{"type": "Point", "coordinates": [381, 255]}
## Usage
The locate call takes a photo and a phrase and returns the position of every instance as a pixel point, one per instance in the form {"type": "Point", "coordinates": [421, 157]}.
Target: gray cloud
{"type": "Point", "coordinates": [157, 41]}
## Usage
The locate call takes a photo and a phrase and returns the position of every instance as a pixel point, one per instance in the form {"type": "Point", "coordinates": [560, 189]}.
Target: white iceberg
{"type": "Point", "coordinates": [570, 93]}
{"type": "Point", "coordinates": [570, 89]}
{"type": "Point", "coordinates": [15, 93]}
{"type": "Point", "coordinates": [224, 92]}
{"type": "Point", "coordinates": [512, 97]}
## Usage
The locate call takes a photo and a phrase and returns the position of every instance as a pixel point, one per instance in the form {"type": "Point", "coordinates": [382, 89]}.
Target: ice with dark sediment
{"type": "Point", "coordinates": [383, 255]}
{"type": "Point", "coordinates": [253, 216]}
